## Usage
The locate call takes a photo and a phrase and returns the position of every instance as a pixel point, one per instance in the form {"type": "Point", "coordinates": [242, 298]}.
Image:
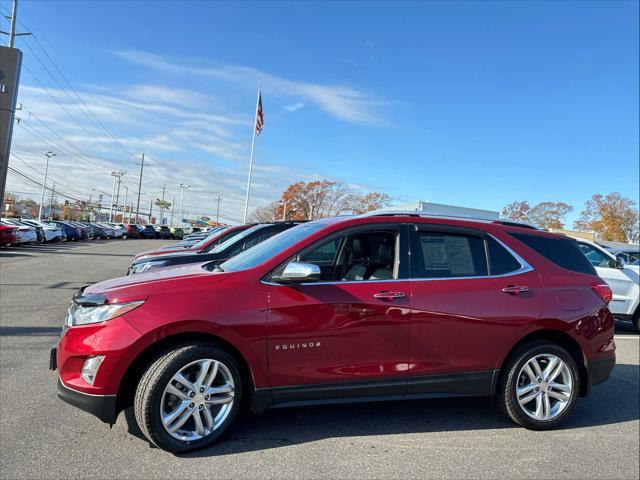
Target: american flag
{"type": "Point", "coordinates": [259, 115]}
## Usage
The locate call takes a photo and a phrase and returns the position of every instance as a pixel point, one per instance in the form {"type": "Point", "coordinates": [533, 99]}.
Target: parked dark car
{"type": "Point", "coordinates": [163, 231]}
{"type": "Point", "coordinates": [177, 233]}
{"type": "Point", "coordinates": [71, 231]}
{"type": "Point", "coordinates": [147, 231]}
{"type": "Point", "coordinates": [86, 233]}
{"type": "Point", "coordinates": [345, 309]}
{"type": "Point", "coordinates": [130, 231]}
{"type": "Point", "coordinates": [230, 248]}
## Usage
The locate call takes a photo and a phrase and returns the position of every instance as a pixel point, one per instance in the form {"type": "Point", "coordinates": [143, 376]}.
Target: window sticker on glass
{"type": "Point", "coordinates": [448, 253]}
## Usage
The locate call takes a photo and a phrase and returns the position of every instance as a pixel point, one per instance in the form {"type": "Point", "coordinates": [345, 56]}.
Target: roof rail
{"type": "Point", "coordinates": [510, 223]}
{"type": "Point", "coordinates": [397, 213]}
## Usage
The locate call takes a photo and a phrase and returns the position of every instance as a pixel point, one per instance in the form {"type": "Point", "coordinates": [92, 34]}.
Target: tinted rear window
{"type": "Point", "coordinates": [500, 260]}
{"type": "Point", "coordinates": [564, 252]}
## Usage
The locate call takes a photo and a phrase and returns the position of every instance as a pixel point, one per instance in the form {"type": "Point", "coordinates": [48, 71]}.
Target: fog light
{"type": "Point", "coordinates": [90, 368]}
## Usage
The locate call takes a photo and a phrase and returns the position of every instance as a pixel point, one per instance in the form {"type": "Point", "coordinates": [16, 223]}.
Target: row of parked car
{"type": "Point", "coordinates": [25, 231]}
{"type": "Point", "coordinates": [381, 306]}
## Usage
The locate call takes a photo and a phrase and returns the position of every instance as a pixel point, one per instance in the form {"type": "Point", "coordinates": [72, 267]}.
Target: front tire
{"type": "Point", "coordinates": [188, 398]}
{"type": "Point", "coordinates": [539, 386]}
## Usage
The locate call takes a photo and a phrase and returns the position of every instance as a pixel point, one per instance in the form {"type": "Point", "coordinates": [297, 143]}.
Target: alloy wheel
{"type": "Point", "coordinates": [544, 387]}
{"type": "Point", "coordinates": [197, 400]}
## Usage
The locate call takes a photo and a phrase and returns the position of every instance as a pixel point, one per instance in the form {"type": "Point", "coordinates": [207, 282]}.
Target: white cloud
{"type": "Point", "coordinates": [345, 103]}
{"type": "Point", "coordinates": [293, 107]}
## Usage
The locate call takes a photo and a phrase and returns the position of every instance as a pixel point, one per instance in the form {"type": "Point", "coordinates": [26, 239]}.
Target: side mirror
{"type": "Point", "coordinates": [620, 263]}
{"type": "Point", "coordinates": [298, 272]}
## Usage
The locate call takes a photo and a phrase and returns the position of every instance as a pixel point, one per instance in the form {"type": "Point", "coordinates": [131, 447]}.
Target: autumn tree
{"type": "Point", "coordinates": [369, 202]}
{"type": "Point", "coordinates": [266, 214]}
{"type": "Point", "coordinates": [516, 211]}
{"type": "Point", "coordinates": [612, 217]}
{"type": "Point", "coordinates": [319, 199]}
{"type": "Point", "coordinates": [547, 215]}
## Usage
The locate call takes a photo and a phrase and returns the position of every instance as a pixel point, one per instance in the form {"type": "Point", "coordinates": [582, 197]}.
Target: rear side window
{"type": "Point", "coordinates": [443, 255]}
{"type": "Point", "coordinates": [564, 252]}
{"type": "Point", "coordinates": [500, 260]}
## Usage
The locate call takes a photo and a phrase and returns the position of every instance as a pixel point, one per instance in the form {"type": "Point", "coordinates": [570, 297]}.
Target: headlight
{"type": "Point", "coordinates": [79, 315]}
{"type": "Point", "coordinates": [143, 267]}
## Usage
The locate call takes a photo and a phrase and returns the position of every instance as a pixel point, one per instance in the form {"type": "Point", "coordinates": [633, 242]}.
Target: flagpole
{"type": "Point", "coordinates": [253, 144]}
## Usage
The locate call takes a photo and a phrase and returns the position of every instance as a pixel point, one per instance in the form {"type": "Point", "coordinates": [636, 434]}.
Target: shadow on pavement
{"type": "Point", "coordinates": [284, 427]}
{"type": "Point", "coordinates": [29, 331]}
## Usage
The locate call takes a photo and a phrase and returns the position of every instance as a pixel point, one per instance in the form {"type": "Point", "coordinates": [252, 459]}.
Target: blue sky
{"type": "Point", "coordinates": [469, 103]}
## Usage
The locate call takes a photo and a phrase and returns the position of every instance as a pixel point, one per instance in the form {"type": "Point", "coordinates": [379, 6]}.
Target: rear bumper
{"type": "Point", "coordinates": [599, 370]}
{"type": "Point", "coordinates": [101, 406]}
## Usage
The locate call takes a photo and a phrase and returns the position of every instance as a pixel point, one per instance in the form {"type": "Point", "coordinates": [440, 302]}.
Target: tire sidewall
{"type": "Point", "coordinates": [162, 438]}
{"type": "Point", "coordinates": [516, 412]}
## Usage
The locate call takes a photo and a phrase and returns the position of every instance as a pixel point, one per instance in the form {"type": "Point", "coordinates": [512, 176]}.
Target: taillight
{"type": "Point", "coordinates": [604, 292]}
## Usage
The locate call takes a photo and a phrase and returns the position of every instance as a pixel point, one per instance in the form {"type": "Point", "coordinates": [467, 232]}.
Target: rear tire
{"type": "Point", "coordinates": [538, 397]}
{"type": "Point", "coordinates": [188, 397]}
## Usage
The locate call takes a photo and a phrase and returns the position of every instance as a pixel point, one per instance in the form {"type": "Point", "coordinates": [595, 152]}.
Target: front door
{"type": "Point", "coordinates": [347, 334]}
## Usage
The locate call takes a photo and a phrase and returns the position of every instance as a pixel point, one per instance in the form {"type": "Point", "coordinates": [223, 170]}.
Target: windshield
{"type": "Point", "coordinates": [269, 248]}
{"type": "Point", "coordinates": [231, 241]}
{"type": "Point", "coordinates": [206, 239]}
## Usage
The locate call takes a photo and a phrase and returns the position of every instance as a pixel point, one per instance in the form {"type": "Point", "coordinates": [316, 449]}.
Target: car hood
{"type": "Point", "coordinates": [168, 254]}
{"type": "Point", "coordinates": [141, 285]}
{"type": "Point", "coordinates": [158, 254]}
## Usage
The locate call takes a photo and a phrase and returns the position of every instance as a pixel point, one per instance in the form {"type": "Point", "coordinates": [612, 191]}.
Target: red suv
{"type": "Point", "coordinates": [364, 308]}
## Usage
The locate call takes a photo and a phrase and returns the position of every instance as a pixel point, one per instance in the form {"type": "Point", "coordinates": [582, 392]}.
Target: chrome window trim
{"type": "Point", "coordinates": [524, 268]}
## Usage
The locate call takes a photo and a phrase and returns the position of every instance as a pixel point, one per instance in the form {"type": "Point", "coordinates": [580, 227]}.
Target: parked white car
{"type": "Point", "coordinates": [52, 232]}
{"type": "Point", "coordinates": [623, 279]}
{"type": "Point", "coordinates": [26, 233]}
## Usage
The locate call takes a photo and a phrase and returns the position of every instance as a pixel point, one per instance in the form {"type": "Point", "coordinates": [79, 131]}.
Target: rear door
{"type": "Point", "coordinates": [471, 295]}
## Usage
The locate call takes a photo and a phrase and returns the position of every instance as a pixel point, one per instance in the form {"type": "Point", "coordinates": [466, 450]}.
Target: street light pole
{"type": "Point", "coordinates": [182, 187]}
{"type": "Point", "coordinates": [44, 183]}
{"type": "Point", "coordinates": [218, 210]}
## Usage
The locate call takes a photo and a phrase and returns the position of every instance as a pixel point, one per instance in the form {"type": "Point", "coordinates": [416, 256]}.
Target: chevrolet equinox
{"type": "Point", "coordinates": [373, 307]}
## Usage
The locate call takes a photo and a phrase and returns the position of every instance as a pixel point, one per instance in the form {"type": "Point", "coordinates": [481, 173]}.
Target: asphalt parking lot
{"type": "Point", "coordinates": [42, 437]}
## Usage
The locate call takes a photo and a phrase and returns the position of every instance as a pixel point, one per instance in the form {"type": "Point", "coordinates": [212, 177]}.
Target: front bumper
{"type": "Point", "coordinates": [101, 406]}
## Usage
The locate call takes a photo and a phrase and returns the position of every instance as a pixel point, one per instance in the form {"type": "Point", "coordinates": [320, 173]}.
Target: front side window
{"type": "Point", "coordinates": [446, 255]}
{"type": "Point", "coordinates": [358, 256]}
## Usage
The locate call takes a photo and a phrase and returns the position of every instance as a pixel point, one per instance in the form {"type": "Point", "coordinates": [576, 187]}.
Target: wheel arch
{"type": "Point", "coordinates": [129, 382]}
{"type": "Point", "coordinates": [561, 339]}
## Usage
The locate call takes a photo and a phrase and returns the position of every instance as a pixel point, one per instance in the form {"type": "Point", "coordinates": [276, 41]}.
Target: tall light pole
{"type": "Point", "coordinates": [218, 209]}
{"type": "Point", "coordinates": [182, 187]}
{"type": "Point", "coordinates": [44, 183]}
{"type": "Point", "coordinates": [116, 174]}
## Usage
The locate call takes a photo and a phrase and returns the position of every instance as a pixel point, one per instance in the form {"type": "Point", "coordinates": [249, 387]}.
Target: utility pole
{"type": "Point", "coordinates": [150, 210]}
{"type": "Point", "coordinates": [53, 189]}
{"type": "Point", "coordinates": [116, 174]}
{"type": "Point", "coordinates": [218, 210]}
{"type": "Point", "coordinates": [99, 206]}
{"type": "Point", "coordinates": [10, 66]}
{"type": "Point", "coordinates": [139, 189]}
{"type": "Point", "coordinates": [173, 208]}
{"type": "Point", "coordinates": [164, 187]}
{"type": "Point", "coordinates": [182, 187]}
{"type": "Point", "coordinates": [124, 205]}
{"type": "Point", "coordinates": [12, 29]}
{"type": "Point", "coordinates": [48, 155]}
{"type": "Point", "coordinates": [130, 212]}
